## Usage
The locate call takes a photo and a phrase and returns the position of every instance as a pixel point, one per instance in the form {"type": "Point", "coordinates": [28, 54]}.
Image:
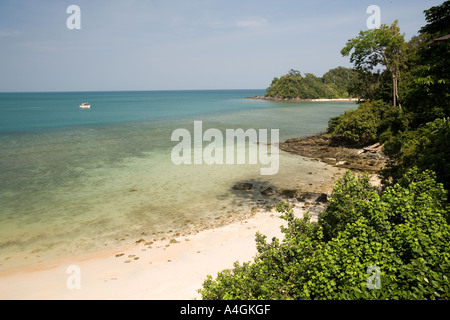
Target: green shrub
{"type": "Point", "coordinates": [366, 123]}
{"type": "Point", "coordinates": [426, 148]}
{"type": "Point", "coordinates": [345, 204]}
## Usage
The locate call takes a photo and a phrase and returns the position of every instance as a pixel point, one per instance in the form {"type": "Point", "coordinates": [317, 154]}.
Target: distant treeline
{"type": "Point", "coordinates": [334, 84]}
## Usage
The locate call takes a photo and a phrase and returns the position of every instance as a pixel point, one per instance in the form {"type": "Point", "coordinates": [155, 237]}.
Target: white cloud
{"type": "Point", "coordinates": [252, 23]}
{"type": "Point", "coordinates": [9, 33]}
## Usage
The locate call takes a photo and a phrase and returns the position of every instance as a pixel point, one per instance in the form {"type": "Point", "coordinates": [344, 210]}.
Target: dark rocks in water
{"type": "Point", "coordinates": [312, 197]}
{"type": "Point", "coordinates": [322, 198]}
{"type": "Point", "coordinates": [268, 192]}
{"type": "Point", "coordinates": [287, 193]}
{"type": "Point", "coordinates": [243, 186]}
{"type": "Point", "coordinates": [306, 196]}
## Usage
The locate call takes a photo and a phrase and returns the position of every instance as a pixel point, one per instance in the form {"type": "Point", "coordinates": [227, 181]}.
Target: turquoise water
{"type": "Point", "coordinates": [74, 180]}
{"type": "Point", "coordinates": [31, 111]}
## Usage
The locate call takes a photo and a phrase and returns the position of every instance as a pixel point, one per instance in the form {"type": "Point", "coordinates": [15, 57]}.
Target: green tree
{"type": "Point", "coordinates": [294, 86]}
{"type": "Point", "coordinates": [286, 87]}
{"type": "Point", "coordinates": [365, 85]}
{"type": "Point", "coordinates": [372, 121]}
{"type": "Point", "coordinates": [426, 148]}
{"type": "Point", "coordinates": [349, 196]}
{"type": "Point", "coordinates": [424, 142]}
{"type": "Point", "coordinates": [438, 20]}
{"type": "Point", "coordinates": [429, 88]}
{"type": "Point", "coordinates": [338, 81]}
{"type": "Point", "coordinates": [382, 46]}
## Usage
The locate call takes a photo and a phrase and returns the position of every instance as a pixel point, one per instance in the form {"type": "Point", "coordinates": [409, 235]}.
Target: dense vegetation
{"type": "Point", "coordinates": [401, 233]}
{"type": "Point", "coordinates": [333, 84]}
{"type": "Point", "coordinates": [415, 132]}
{"type": "Point", "coordinates": [369, 243]}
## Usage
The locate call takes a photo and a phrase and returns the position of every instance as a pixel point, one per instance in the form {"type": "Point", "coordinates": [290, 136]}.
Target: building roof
{"type": "Point", "coordinates": [439, 40]}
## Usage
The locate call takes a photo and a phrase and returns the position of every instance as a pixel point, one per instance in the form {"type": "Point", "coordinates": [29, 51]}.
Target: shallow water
{"type": "Point", "coordinates": [74, 181]}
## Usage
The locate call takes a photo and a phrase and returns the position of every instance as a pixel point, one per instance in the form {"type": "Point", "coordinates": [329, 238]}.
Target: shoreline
{"type": "Point", "coordinates": [300, 99]}
{"type": "Point", "coordinates": [361, 158]}
{"type": "Point", "coordinates": [173, 267]}
{"type": "Point", "coordinates": [169, 269]}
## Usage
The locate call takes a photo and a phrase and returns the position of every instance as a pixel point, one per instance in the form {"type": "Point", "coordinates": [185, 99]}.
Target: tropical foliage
{"type": "Point", "coordinates": [417, 134]}
{"type": "Point", "coordinates": [366, 245]}
{"type": "Point", "coordinates": [366, 124]}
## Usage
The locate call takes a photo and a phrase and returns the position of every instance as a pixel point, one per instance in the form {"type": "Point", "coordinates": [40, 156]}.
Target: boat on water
{"type": "Point", "coordinates": [85, 105]}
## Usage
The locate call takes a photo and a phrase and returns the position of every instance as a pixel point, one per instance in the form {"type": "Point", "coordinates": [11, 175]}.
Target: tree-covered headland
{"type": "Point", "coordinates": [332, 85]}
{"type": "Point", "coordinates": [372, 243]}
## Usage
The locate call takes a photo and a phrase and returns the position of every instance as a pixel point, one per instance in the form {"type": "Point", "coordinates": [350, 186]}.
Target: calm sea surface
{"type": "Point", "coordinates": [74, 180]}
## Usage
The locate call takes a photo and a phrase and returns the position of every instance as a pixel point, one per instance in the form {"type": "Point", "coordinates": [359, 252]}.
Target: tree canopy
{"type": "Point", "coordinates": [438, 20]}
{"type": "Point", "coordinates": [382, 46]}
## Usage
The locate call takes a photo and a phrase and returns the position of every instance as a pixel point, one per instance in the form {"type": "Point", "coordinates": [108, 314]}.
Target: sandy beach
{"type": "Point", "coordinates": [166, 269]}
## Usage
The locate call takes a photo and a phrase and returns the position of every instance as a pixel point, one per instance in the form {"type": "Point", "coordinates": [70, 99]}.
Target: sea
{"type": "Point", "coordinates": [82, 180]}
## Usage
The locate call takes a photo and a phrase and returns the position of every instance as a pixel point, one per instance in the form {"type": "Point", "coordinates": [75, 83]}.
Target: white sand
{"type": "Point", "coordinates": [339, 99]}
{"type": "Point", "coordinates": [152, 276]}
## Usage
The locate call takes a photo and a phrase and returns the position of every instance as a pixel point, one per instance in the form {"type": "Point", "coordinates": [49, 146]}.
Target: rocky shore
{"type": "Point", "coordinates": [368, 159]}
{"type": "Point", "coordinates": [365, 159]}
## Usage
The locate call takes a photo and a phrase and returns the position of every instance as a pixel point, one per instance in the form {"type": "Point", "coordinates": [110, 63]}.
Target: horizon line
{"type": "Point", "coordinates": [150, 90]}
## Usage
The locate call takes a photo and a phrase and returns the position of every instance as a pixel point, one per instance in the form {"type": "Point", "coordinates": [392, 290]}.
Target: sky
{"type": "Point", "coordinates": [181, 44]}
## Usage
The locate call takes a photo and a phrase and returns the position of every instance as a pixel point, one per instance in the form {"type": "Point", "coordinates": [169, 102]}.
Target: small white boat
{"type": "Point", "coordinates": [85, 105]}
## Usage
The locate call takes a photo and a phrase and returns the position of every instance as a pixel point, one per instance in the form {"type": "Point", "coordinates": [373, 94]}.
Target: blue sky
{"type": "Point", "coordinates": [181, 45]}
